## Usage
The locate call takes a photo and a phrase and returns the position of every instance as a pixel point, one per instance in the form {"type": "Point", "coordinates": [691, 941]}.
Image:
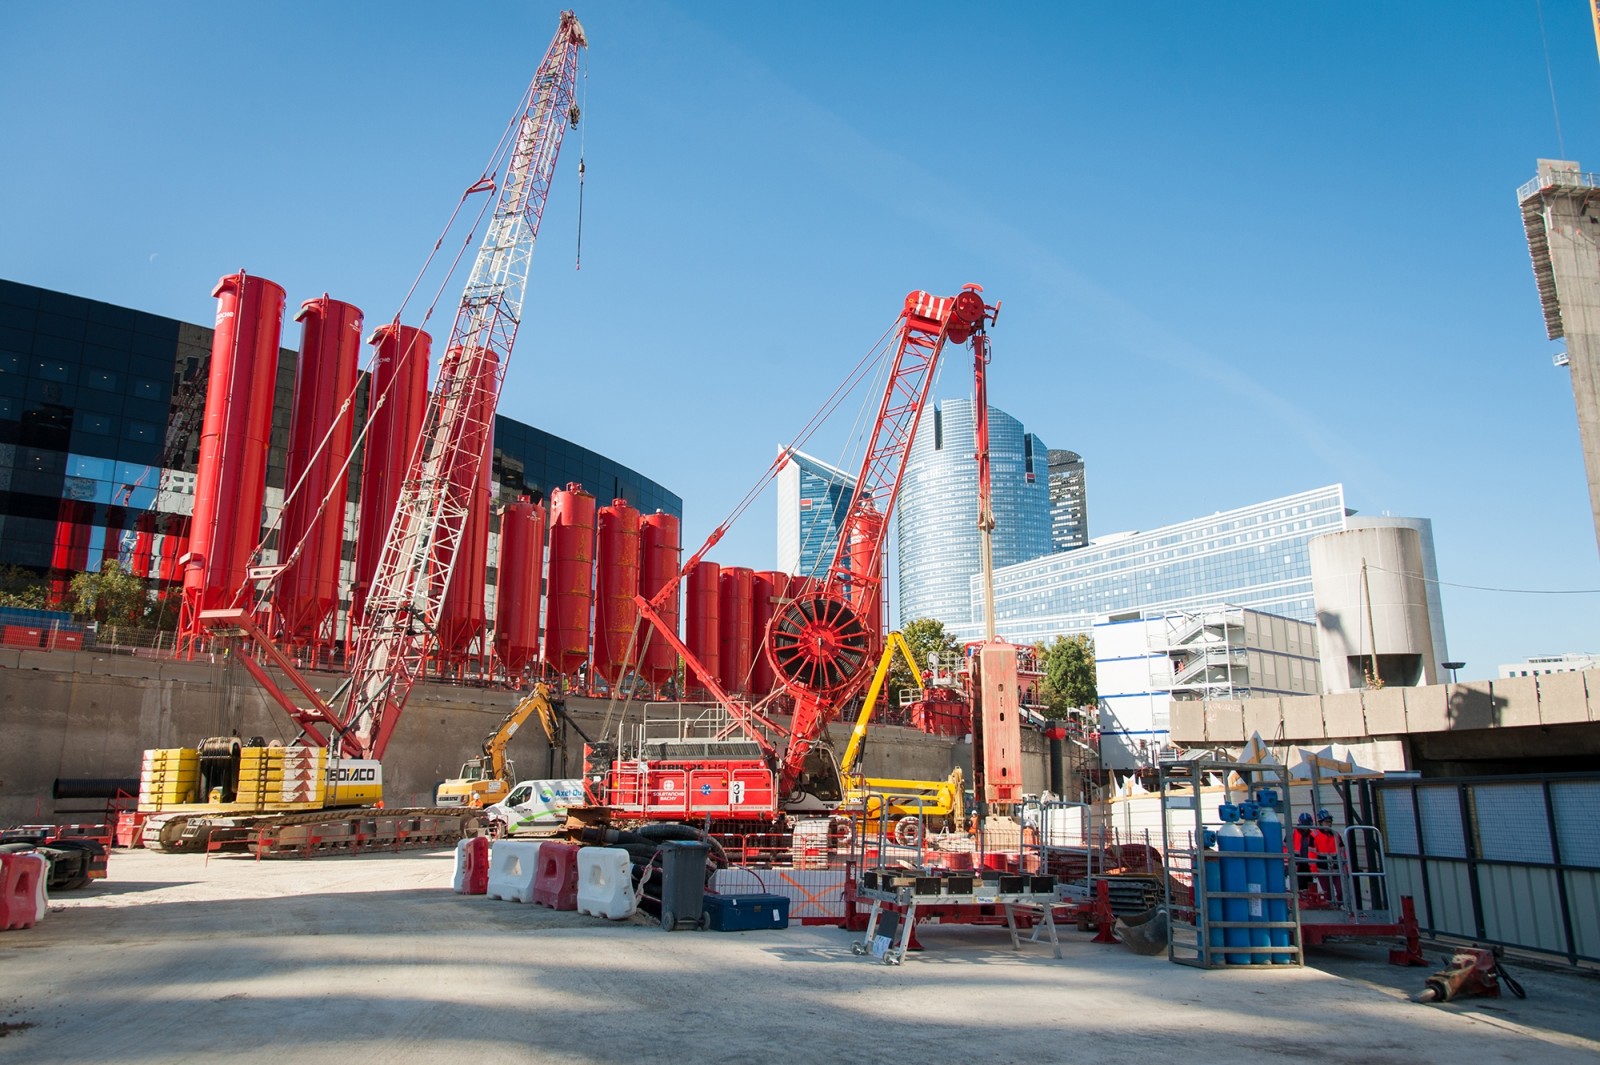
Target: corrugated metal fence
{"type": "Point", "coordinates": [1513, 861]}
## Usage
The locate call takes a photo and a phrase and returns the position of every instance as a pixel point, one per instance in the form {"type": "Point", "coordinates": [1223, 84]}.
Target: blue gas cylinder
{"type": "Point", "coordinates": [1230, 841]}
{"type": "Point", "coordinates": [1255, 875]}
{"type": "Point", "coordinates": [1272, 836]}
{"type": "Point", "coordinates": [1213, 884]}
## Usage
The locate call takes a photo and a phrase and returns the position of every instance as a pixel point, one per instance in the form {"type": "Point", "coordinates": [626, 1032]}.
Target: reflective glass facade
{"type": "Point", "coordinates": [813, 502]}
{"type": "Point", "coordinates": [1256, 556]}
{"type": "Point", "coordinates": [91, 393]}
{"type": "Point", "coordinates": [1069, 501]}
{"type": "Point", "coordinates": [939, 542]}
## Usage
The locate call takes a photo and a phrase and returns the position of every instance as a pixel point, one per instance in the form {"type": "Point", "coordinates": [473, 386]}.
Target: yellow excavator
{"type": "Point", "coordinates": [487, 778]}
{"type": "Point", "coordinates": [911, 804]}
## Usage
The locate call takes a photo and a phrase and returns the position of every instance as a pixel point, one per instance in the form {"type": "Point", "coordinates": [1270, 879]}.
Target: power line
{"type": "Point", "coordinates": [1486, 588]}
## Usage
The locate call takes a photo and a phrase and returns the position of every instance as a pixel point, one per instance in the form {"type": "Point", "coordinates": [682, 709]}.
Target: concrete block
{"type": "Point", "coordinates": [1563, 699]}
{"type": "Point", "coordinates": [1472, 705]}
{"type": "Point", "coordinates": [1302, 718]}
{"type": "Point", "coordinates": [1591, 680]}
{"type": "Point", "coordinates": [1385, 711]}
{"type": "Point", "coordinates": [1342, 715]}
{"type": "Point", "coordinates": [1516, 701]}
{"type": "Point", "coordinates": [1188, 723]}
{"type": "Point", "coordinates": [1224, 721]}
{"type": "Point", "coordinates": [1264, 716]}
{"type": "Point", "coordinates": [1427, 709]}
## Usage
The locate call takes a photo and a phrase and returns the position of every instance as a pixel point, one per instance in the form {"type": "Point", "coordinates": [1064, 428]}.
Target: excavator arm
{"type": "Point", "coordinates": [538, 702]}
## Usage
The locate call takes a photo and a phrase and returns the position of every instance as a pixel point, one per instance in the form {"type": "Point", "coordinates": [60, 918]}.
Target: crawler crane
{"type": "Point", "coordinates": [820, 642]}
{"type": "Point", "coordinates": [298, 799]}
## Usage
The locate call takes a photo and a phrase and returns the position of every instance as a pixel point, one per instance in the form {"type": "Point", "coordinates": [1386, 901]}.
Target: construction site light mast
{"type": "Point", "coordinates": [419, 553]}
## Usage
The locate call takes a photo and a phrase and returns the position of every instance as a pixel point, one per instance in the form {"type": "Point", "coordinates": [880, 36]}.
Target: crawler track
{"type": "Point", "coordinates": [313, 834]}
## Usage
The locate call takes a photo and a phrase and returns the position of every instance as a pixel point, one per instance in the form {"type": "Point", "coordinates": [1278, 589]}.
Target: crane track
{"type": "Point", "coordinates": [319, 833]}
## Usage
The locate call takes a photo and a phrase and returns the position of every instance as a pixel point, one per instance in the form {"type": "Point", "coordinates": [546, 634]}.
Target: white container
{"type": "Point", "coordinates": [605, 883]}
{"type": "Point", "coordinates": [512, 865]}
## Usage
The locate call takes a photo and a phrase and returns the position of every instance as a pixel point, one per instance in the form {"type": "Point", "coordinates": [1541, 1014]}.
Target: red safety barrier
{"type": "Point", "coordinates": [556, 883]}
{"type": "Point", "coordinates": [130, 828]}
{"type": "Point", "coordinates": [477, 858]}
{"type": "Point", "coordinates": [22, 898]}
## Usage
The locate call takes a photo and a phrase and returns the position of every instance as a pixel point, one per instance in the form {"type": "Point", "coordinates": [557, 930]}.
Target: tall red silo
{"type": "Point", "coordinates": [463, 617]}
{"type": "Point", "coordinates": [733, 628]}
{"type": "Point", "coordinates": [516, 613]}
{"type": "Point", "coordinates": [399, 379]}
{"type": "Point", "coordinates": [616, 584]}
{"type": "Point", "coordinates": [320, 429]}
{"type": "Point", "coordinates": [767, 587]}
{"type": "Point", "coordinates": [702, 609]}
{"type": "Point", "coordinates": [570, 591]}
{"type": "Point", "coordinates": [659, 559]}
{"type": "Point", "coordinates": [866, 544]}
{"type": "Point", "coordinates": [231, 475]}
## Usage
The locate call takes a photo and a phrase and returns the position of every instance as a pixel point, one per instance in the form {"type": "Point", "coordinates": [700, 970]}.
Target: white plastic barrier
{"type": "Point", "coordinates": [605, 883]}
{"type": "Point", "coordinates": [458, 880]}
{"type": "Point", "coordinates": [512, 865]}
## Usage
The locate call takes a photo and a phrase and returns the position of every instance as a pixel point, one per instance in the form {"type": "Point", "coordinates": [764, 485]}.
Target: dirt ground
{"type": "Point", "coordinates": [373, 959]}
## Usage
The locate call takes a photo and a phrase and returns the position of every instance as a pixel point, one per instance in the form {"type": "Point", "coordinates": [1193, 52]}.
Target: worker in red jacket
{"type": "Point", "coordinates": [1325, 845]}
{"type": "Point", "coordinates": [1304, 863]}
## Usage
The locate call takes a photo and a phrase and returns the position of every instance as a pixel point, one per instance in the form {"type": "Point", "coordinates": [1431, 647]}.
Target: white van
{"type": "Point", "coordinates": [536, 806]}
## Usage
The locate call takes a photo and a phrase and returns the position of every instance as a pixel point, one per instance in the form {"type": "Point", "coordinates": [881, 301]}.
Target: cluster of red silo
{"type": "Point", "coordinates": [727, 611]}
{"type": "Point", "coordinates": [598, 558]}
{"type": "Point", "coordinates": [230, 481]}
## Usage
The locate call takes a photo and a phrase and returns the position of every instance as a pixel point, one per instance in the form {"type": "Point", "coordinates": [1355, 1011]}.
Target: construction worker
{"type": "Point", "coordinates": [1325, 845]}
{"type": "Point", "coordinates": [1303, 860]}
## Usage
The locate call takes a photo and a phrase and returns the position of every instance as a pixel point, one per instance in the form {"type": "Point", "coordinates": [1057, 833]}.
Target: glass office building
{"type": "Point", "coordinates": [1257, 556]}
{"type": "Point", "coordinates": [813, 502]}
{"type": "Point", "coordinates": [939, 542]}
{"type": "Point", "coordinates": [1069, 501]}
{"type": "Point", "coordinates": [90, 394]}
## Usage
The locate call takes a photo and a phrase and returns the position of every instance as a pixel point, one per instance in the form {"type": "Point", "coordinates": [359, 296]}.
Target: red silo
{"type": "Point", "coordinates": [570, 592]}
{"type": "Point", "coordinates": [733, 628]}
{"type": "Point", "coordinates": [397, 397]}
{"type": "Point", "coordinates": [463, 618]}
{"type": "Point", "coordinates": [231, 475]}
{"type": "Point", "coordinates": [320, 428]}
{"type": "Point", "coordinates": [866, 544]}
{"type": "Point", "coordinates": [659, 551]}
{"type": "Point", "coordinates": [516, 625]}
{"type": "Point", "coordinates": [702, 607]}
{"type": "Point", "coordinates": [616, 584]}
{"type": "Point", "coordinates": [767, 586]}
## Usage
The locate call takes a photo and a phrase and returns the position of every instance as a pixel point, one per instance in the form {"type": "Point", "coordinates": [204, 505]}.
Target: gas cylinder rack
{"type": "Point", "coordinates": [1230, 881]}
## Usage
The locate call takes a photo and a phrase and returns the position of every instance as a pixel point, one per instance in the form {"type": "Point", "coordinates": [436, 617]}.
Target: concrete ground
{"type": "Point", "coordinates": [373, 959]}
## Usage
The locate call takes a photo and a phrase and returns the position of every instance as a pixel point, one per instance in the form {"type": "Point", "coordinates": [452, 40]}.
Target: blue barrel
{"type": "Point", "coordinates": [1230, 841]}
{"type": "Point", "coordinates": [1255, 876]}
{"type": "Point", "coordinates": [1213, 884]}
{"type": "Point", "coordinates": [1272, 835]}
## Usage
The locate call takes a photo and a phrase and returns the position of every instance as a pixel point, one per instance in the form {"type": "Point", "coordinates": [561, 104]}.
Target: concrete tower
{"type": "Point", "coordinates": [1561, 213]}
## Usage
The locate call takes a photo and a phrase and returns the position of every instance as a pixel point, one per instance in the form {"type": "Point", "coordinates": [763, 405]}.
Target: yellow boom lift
{"type": "Point", "coordinates": [936, 801]}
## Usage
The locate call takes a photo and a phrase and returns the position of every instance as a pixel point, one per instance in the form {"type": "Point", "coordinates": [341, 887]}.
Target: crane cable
{"type": "Point", "coordinates": [576, 112]}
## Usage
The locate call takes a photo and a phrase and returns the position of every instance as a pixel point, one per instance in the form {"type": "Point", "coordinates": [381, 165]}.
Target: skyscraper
{"type": "Point", "coordinates": [1069, 501]}
{"type": "Point", "coordinates": [813, 502]}
{"type": "Point", "coordinates": [939, 543]}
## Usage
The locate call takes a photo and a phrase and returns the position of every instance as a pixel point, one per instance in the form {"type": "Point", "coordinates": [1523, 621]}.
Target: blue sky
{"type": "Point", "coordinates": [1244, 249]}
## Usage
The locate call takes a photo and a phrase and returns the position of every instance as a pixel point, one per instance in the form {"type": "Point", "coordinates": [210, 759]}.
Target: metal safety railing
{"type": "Point", "coordinates": [1565, 178]}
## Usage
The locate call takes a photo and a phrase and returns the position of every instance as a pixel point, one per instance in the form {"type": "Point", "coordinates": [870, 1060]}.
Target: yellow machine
{"type": "Point", "coordinates": [910, 803]}
{"type": "Point", "coordinates": [488, 778]}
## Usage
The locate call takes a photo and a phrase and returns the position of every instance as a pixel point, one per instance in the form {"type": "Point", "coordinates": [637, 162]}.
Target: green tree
{"type": "Point", "coordinates": [925, 636]}
{"type": "Point", "coordinates": [1069, 682]}
{"type": "Point", "coordinates": [23, 588]}
{"type": "Point", "coordinates": [112, 595]}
